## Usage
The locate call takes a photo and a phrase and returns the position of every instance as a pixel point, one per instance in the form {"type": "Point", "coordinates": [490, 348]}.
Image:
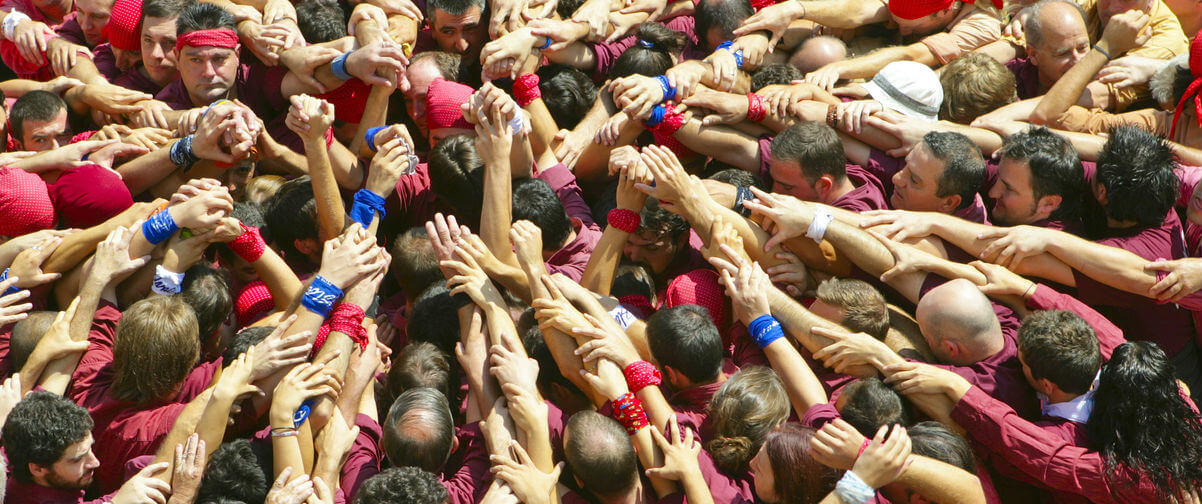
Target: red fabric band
{"type": "Point", "coordinates": [626, 220]}
{"type": "Point", "coordinates": [525, 89]}
{"type": "Point", "coordinates": [1194, 90]}
{"type": "Point", "coordinates": [218, 37]}
{"type": "Point", "coordinates": [672, 122]}
{"type": "Point", "coordinates": [755, 108]}
{"type": "Point", "coordinates": [628, 411]}
{"type": "Point", "coordinates": [640, 374]}
{"type": "Point", "coordinates": [346, 319]}
{"type": "Point", "coordinates": [249, 245]}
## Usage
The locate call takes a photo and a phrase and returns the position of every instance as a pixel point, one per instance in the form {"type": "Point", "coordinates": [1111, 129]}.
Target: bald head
{"type": "Point", "coordinates": [817, 52]}
{"type": "Point", "coordinates": [959, 323]}
{"type": "Point", "coordinates": [419, 430]}
{"type": "Point", "coordinates": [1052, 17]}
{"type": "Point", "coordinates": [600, 454]}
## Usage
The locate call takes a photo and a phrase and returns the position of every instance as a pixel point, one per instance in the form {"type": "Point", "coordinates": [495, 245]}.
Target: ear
{"type": "Point", "coordinates": [1099, 193]}
{"type": "Point", "coordinates": [950, 348]}
{"type": "Point", "coordinates": [1048, 204]}
{"type": "Point", "coordinates": [38, 472]}
{"type": "Point", "coordinates": [307, 246]}
{"type": "Point", "coordinates": [1046, 387]}
{"type": "Point", "coordinates": [1031, 54]}
{"type": "Point", "coordinates": [454, 444]}
{"type": "Point", "coordinates": [675, 378]}
{"type": "Point", "coordinates": [823, 186]}
{"type": "Point", "coordinates": [950, 204]}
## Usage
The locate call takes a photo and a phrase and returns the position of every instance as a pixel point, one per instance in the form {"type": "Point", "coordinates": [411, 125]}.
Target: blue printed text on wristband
{"type": "Point", "coordinates": [319, 298]}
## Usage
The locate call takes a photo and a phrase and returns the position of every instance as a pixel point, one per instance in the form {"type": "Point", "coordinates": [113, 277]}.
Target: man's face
{"type": "Point", "coordinates": [1014, 198]}
{"type": "Point", "coordinates": [41, 136]}
{"type": "Point", "coordinates": [420, 75]}
{"type": "Point", "coordinates": [1110, 8]}
{"type": "Point", "coordinates": [75, 469]}
{"type": "Point", "coordinates": [1064, 42]}
{"type": "Point", "coordinates": [92, 16]}
{"type": "Point", "coordinates": [126, 59]}
{"type": "Point", "coordinates": [788, 179]}
{"type": "Point", "coordinates": [208, 72]}
{"type": "Point", "coordinates": [914, 187]}
{"type": "Point", "coordinates": [158, 49]}
{"type": "Point", "coordinates": [462, 34]}
{"type": "Point", "coordinates": [656, 252]}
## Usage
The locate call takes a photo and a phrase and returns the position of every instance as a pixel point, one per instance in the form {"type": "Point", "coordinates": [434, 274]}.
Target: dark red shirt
{"type": "Point", "coordinates": [1026, 77]}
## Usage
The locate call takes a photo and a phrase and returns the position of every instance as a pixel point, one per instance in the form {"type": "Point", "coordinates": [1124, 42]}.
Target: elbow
{"type": "Point", "coordinates": [1039, 117]}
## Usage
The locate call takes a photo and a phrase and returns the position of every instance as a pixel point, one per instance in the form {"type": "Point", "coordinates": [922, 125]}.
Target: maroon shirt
{"type": "Point", "coordinates": [32, 493]}
{"type": "Point", "coordinates": [106, 62]}
{"type": "Point", "coordinates": [465, 476]}
{"type": "Point", "coordinates": [572, 258]}
{"type": "Point", "coordinates": [1026, 76]}
{"type": "Point", "coordinates": [135, 80]}
{"type": "Point", "coordinates": [869, 193]}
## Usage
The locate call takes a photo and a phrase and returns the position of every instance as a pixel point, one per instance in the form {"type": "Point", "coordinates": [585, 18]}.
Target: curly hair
{"type": "Point", "coordinates": [40, 428]}
{"type": "Point", "coordinates": [402, 484]}
{"type": "Point", "coordinates": [1141, 422]}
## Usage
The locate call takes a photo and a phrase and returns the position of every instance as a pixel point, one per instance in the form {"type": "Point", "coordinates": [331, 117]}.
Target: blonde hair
{"type": "Point", "coordinates": [974, 85]}
{"type": "Point", "coordinates": [261, 188]}
{"type": "Point", "coordinates": [745, 409]}
{"type": "Point", "coordinates": [156, 346]}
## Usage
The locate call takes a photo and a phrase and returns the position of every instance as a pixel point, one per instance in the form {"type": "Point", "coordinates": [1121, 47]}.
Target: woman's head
{"type": "Point", "coordinates": [657, 49]}
{"type": "Point", "coordinates": [784, 470]}
{"type": "Point", "coordinates": [749, 404]}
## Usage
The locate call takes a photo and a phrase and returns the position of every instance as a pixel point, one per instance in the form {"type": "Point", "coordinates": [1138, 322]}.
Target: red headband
{"type": "Point", "coordinates": [1195, 68]}
{"type": "Point", "coordinates": [217, 37]}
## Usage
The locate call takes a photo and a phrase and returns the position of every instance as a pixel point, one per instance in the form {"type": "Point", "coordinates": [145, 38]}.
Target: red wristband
{"type": "Point", "coordinates": [755, 108]}
{"type": "Point", "coordinates": [525, 89]}
{"type": "Point", "coordinates": [863, 445]}
{"type": "Point", "coordinates": [628, 411]}
{"type": "Point", "coordinates": [672, 122]}
{"type": "Point", "coordinates": [249, 245]}
{"type": "Point", "coordinates": [626, 220]}
{"type": "Point", "coordinates": [640, 374]}
{"type": "Point", "coordinates": [346, 319]}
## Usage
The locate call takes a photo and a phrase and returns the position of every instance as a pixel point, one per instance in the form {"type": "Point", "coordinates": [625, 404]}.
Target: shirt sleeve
{"type": "Point", "coordinates": [1109, 335]}
{"type": "Point", "coordinates": [363, 461]}
{"type": "Point", "coordinates": [972, 31]}
{"type": "Point", "coordinates": [563, 181]}
{"type": "Point", "coordinates": [92, 376]}
{"type": "Point", "coordinates": [1094, 121]}
{"type": "Point", "coordinates": [473, 475]}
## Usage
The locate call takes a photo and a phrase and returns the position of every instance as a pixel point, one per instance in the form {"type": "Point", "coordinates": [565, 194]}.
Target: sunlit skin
{"type": "Point", "coordinates": [914, 187]}
{"type": "Point", "coordinates": [463, 34]}
{"type": "Point", "coordinates": [73, 471]}
{"type": "Point", "coordinates": [158, 49]}
{"type": "Point", "coordinates": [208, 72]}
{"type": "Point", "coordinates": [92, 16]}
{"type": "Point", "coordinates": [54, 9]}
{"type": "Point", "coordinates": [41, 136]}
{"type": "Point", "coordinates": [788, 179]}
{"type": "Point", "coordinates": [1110, 8]}
{"type": "Point", "coordinates": [765, 479]}
{"type": "Point", "coordinates": [1014, 197]}
{"type": "Point", "coordinates": [1064, 41]}
{"type": "Point", "coordinates": [655, 252]}
{"type": "Point", "coordinates": [925, 25]}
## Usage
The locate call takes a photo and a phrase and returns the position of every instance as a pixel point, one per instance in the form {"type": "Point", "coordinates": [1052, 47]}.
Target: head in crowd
{"type": "Point", "coordinates": [932, 440]}
{"type": "Point", "coordinates": [48, 441]}
{"type": "Point", "coordinates": [974, 85]}
{"type": "Point", "coordinates": [817, 52]}
{"type": "Point", "coordinates": [164, 327]}
{"type": "Point", "coordinates": [421, 364]}
{"type": "Point", "coordinates": [853, 304]}
{"type": "Point", "coordinates": [423, 68]}
{"type": "Point", "coordinates": [39, 121]}
{"type": "Point", "coordinates": [660, 237]}
{"type": "Point", "coordinates": [535, 201]}
{"type": "Point", "coordinates": [686, 345]}
{"type": "Point", "coordinates": [808, 162]}
{"type": "Point", "coordinates": [1056, 36]}
{"type": "Point", "coordinates": [240, 271]}
{"type": "Point", "coordinates": [419, 430]}
{"type": "Point", "coordinates": [1040, 177]}
{"type": "Point", "coordinates": [784, 471]}
{"type": "Point", "coordinates": [745, 409]}
{"type": "Point", "coordinates": [739, 178]}
{"type": "Point", "coordinates": [444, 115]}
{"type": "Point", "coordinates": [207, 291]}
{"type": "Point", "coordinates": [1134, 182]}
{"type": "Point", "coordinates": [1140, 420]}
{"type": "Point", "coordinates": [158, 38]}
{"type": "Point", "coordinates": [717, 20]}
{"type": "Point", "coordinates": [236, 472]}
{"type": "Point", "coordinates": [457, 177]}
{"type": "Point", "coordinates": [923, 17]}
{"type": "Point", "coordinates": [780, 74]}
{"type": "Point", "coordinates": [291, 216]}
{"type": "Point", "coordinates": [320, 21]}
{"type": "Point", "coordinates": [207, 65]}
{"type": "Point", "coordinates": [867, 404]}
{"type": "Point", "coordinates": [26, 334]}
{"type": "Point", "coordinates": [243, 340]}
{"type": "Point", "coordinates": [93, 16]}
{"type": "Point", "coordinates": [567, 92]}
{"type": "Point", "coordinates": [434, 318]}
{"type": "Point", "coordinates": [959, 324]}
{"type": "Point", "coordinates": [414, 265]}
{"type": "Point", "coordinates": [402, 484]}
{"type": "Point", "coordinates": [600, 455]}
{"type": "Point", "coordinates": [121, 30]}
{"type": "Point", "coordinates": [261, 188]}
{"type": "Point", "coordinates": [658, 49]}
{"type": "Point", "coordinates": [459, 26]}
{"type": "Point", "coordinates": [1109, 8]}
{"type": "Point", "coordinates": [1059, 353]}
{"type": "Point", "coordinates": [942, 174]}
{"type": "Point", "coordinates": [908, 87]}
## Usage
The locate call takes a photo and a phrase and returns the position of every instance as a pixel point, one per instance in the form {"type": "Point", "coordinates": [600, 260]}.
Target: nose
{"type": "Point", "coordinates": [461, 44]}
{"type": "Point", "coordinates": [898, 181]}
{"type": "Point", "coordinates": [210, 70]}
{"type": "Point", "coordinates": [995, 192]}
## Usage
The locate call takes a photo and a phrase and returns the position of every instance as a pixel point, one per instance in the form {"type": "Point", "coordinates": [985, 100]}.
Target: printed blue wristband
{"type": "Point", "coordinates": [159, 228]}
{"type": "Point", "coordinates": [367, 205]}
{"type": "Point", "coordinates": [764, 330]}
{"type": "Point", "coordinates": [319, 298]}
{"type": "Point", "coordinates": [11, 290]}
{"type": "Point", "coordinates": [657, 116]}
{"type": "Point", "coordinates": [669, 91]}
{"type": "Point", "coordinates": [338, 66]}
{"type": "Point", "coordinates": [738, 58]}
{"type": "Point", "coordinates": [302, 413]}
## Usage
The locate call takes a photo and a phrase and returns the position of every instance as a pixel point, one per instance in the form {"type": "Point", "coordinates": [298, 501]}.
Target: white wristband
{"type": "Point", "coordinates": [166, 282]}
{"type": "Point", "coordinates": [9, 26]}
{"type": "Point", "coordinates": [622, 316]}
{"type": "Point", "coordinates": [852, 490]}
{"type": "Point", "coordinates": [517, 125]}
{"type": "Point", "coordinates": [818, 226]}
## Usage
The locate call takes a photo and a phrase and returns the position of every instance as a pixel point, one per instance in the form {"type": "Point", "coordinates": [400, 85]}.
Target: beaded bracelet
{"type": "Point", "coordinates": [320, 296]}
{"type": "Point", "coordinates": [755, 108]}
{"type": "Point", "coordinates": [367, 204]}
{"type": "Point", "coordinates": [628, 411]}
{"type": "Point", "coordinates": [832, 115]}
{"type": "Point", "coordinates": [526, 90]}
{"type": "Point", "coordinates": [249, 245]}
{"type": "Point", "coordinates": [159, 227]}
{"type": "Point", "coordinates": [278, 433]}
{"type": "Point", "coordinates": [625, 220]}
{"type": "Point", "coordinates": [640, 374]}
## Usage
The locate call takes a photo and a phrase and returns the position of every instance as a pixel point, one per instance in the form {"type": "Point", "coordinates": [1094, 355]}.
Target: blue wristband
{"type": "Point", "coordinates": [338, 66]}
{"type": "Point", "coordinates": [319, 298]}
{"type": "Point", "coordinates": [725, 45]}
{"type": "Point", "coordinates": [657, 116]}
{"type": "Point", "coordinates": [181, 153]}
{"type": "Point", "coordinates": [669, 91]}
{"type": "Point", "coordinates": [159, 227]}
{"type": "Point", "coordinates": [367, 205]}
{"type": "Point", "coordinates": [738, 58]}
{"type": "Point", "coordinates": [302, 413]}
{"type": "Point", "coordinates": [764, 330]}
{"type": "Point", "coordinates": [11, 290]}
{"type": "Point", "coordinates": [370, 137]}
{"type": "Point", "coordinates": [546, 44]}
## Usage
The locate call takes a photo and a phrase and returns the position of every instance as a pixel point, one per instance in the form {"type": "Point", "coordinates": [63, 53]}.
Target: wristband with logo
{"type": "Point", "coordinates": [319, 298]}
{"type": "Point", "coordinates": [159, 227]}
{"type": "Point", "coordinates": [765, 330]}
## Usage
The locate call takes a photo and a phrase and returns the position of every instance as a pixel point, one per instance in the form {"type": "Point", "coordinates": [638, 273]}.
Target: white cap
{"type": "Point", "coordinates": [909, 87]}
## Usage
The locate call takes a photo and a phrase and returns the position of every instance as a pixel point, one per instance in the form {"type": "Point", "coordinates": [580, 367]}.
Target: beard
{"type": "Point", "coordinates": [54, 481]}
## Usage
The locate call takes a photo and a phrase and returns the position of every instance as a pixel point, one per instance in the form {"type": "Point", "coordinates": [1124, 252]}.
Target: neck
{"type": "Point", "coordinates": [1057, 396]}
{"type": "Point", "coordinates": [839, 190]}
{"type": "Point", "coordinates": [635, 496]}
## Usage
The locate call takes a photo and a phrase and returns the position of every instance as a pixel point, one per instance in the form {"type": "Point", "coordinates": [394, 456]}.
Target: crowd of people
{"type": "Point", "coordinates": [603, 251]}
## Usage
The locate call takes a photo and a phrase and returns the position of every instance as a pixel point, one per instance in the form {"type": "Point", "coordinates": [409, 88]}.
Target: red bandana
{"type": "Point", "coordinates": [218, 37]}
{"type": "Point", "coordinates": [1195, 69]}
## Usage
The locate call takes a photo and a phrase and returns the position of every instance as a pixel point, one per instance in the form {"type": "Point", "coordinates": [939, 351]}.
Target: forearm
{"type": "Point", "coordinates": [696, 491]}
{"type": "Point", "coordinates": [148, 169]}
{"type": "Point", "coordinates": [1112, 266]}
{"type": "Point", "coordinates": [941, 482]}
{"type": "Point", "coordinates": [801, 384]}
{"type": "Point", "coordinates": [650, 456]}
{"type": "Point", "coordinates": [281, 281]}
{"type": "Point", "coordinates": [185, 424]}
{"type": "Point", "coordinates": [843, 14]}
{"type": "Point", "coordinates": [724, 143]}
{"type": "Point", "coordinates": [1068, 89]}
{"type": "Point", "coordinates": [323, 407]}
{"type": "Point", "coordinates": [496, 214]}
{"type": "Point", "coordinates": [865, 67]}
{"type": "Point", "coordinates": [84, 69]}
{"type": "Point", "coordinates": [603, 263]}
{"type": "Point", "coordinates": [286, 451]}
{"type": "Point", "coordinates": [375, 112]}
{"type": "Point", "coordinates": [594, 160]}
{"type": "Point", "coordinates": [331, 216]}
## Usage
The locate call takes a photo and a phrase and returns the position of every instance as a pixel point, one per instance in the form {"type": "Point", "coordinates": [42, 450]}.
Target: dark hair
{"type": "Point", "coordinates": [421, 364]}
{"type": "Point", "coordinates": [242, 342]}
{"type": "Point", "coordinates": [321, 20]}
{"type": "Point", "coordinates": [739, 178]}
{"type": "Point", "coordinates": [774, 74]}
{"type": "Point", "coordinates": [414, 264]}
{"type": "Point", "coordinates": [633, 279]}
{"type": "Point", "coordinates": [567, 92]}
{"type": "Point", "coordinates": [798, 477]}
{"type": "Point", "coordinates": [235, 472]}
{"type": "Point", "coordinates": [964, 168]}
{"type": "Point", "coordinates": [457, 176]}
{"type": "Point", "coordinates": [813, 145]}
{"type": "Point", "coordinates": [455, 7]}
{"type": "Point", "coordinates": [1054, 165]}
{"type": "Point", "coordinates": [33, 106]}
{"type": "Point", "coordinates": [163, 8]}
{"type": "Point", "coordinates": [684, 337]}
{"type": "Point", "coordinates": [448, 64]}
{"type": "Point", "coordinates": [435, 319]}
{"type": "Point", "coordinates": [40, 428]}
{"type": "Point", "coordinates": [656, 221]}
{"type": "Point", "coordinates": [1058, 346]}
{"type": "Point", "coordinates": [654, 60]}
{"type": "Point", "coordinates": [26, 334]}
{"type": "Point", "coordinates": [745, 408]}
{"type": "Point", "coordinates": [534, 200]}
{"type": "Point", "coordinates": [207, 291]}
{"type": "Point", "coordinates": [1136, 168]}
{"type": "Point", "coordinates": [726, 15]}
{"type": "Point", "coordinates": [419, 430]}
{"type": "Point", "coordinates": [1140, 421]}
{"type": "Point", "coordinates": [409, 485]}
{"type": "Point", "coordinates": [291, 215]}
{"type": "Point", "coordinates": [870, 404]}
{"type": "Point", "coordinates": [934, 440]}
{"type": "Point", "coordinates": [600, 454]}
{"type": "Point", "coordinates": [566, 8]}
{"type": "Point", "coordinates": [203, 16]}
